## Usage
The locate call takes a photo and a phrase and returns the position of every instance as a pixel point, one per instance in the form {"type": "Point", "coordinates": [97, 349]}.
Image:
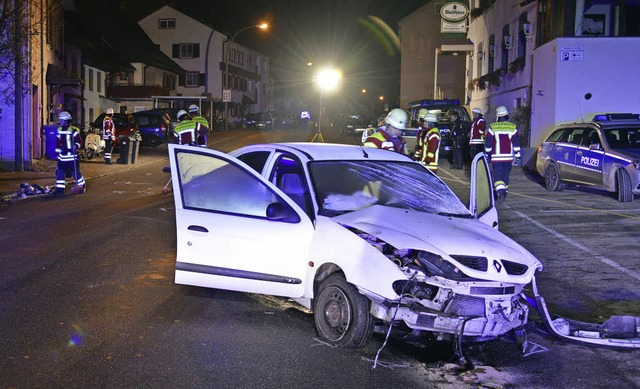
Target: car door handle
{"type": "Point", "coordinates": [579, 152]}
{"type": "Point", "coordinates": [197, 228]}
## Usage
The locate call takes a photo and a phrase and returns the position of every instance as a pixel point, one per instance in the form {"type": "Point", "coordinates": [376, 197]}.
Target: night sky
{"type": "Point", "coordinates": [337, 33]}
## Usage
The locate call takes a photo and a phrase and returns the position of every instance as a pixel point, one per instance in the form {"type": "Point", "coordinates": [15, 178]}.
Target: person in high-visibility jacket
{"type": "Point", "coordinates": [502, 146]}
{"type": "Point", "coordinates": [389, 135]}
{"type": "Point", "coordinates": [108, 135]}
{"type": "Point", "coordinates": [476, 136]}
{"type": "Point", "coordinates": [430, 143]}
{"type": "Point", "coordinates": [68, 141]}
{"type": "Point", "coordinates": [189, 131]}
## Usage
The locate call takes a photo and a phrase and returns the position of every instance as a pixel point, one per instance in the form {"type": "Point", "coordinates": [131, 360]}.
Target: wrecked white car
{"type": "Point", "coordinates": [360, 236]}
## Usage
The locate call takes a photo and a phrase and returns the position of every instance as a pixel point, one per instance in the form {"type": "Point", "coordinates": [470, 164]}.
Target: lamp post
{"type": "Point", "coordinates": [226, 93]}
{"type": "Point", "coordinates": [327, 79]}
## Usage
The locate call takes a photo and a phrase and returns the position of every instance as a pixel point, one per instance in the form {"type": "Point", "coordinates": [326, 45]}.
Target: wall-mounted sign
{"type": "Point", "coordinates": [454, 12]}
{"type": "Point", "coordinates": [449, 27]}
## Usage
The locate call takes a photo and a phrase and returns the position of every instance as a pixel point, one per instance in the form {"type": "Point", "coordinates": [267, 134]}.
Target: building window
{"type": "Point", "coordinates": [481, 58]}
{"type": "Point", "coordinates": [186, 50]}
{"type": "Point", "coordinates": [522, 39]}
{"type": "Point", "coordinates": [191, 79]}
{"type": "Point", "coordinates": [165, 24]}
{"type": "Point", "coordinates": [90, 83]}
{"type": "Point", "coordinates": [504, 59]}
{"type": "Point", "coordinates": [99, 83]}
{"type": "Point", "coordinates": [492, 52]}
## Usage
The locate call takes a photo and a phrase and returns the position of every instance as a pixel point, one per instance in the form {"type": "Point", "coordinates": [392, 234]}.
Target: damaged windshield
{"type": "Point", "coordinates": [346, 186]}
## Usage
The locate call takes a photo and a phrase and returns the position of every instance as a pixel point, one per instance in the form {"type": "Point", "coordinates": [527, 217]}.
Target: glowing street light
{"type": "Point", "coordinates": [327, 79]}
{"type": "Point", "coordinates": [226, 93]}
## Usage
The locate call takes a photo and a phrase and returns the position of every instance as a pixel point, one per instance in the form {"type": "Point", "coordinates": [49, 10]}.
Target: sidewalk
{"type": "Point", "coordinates": [44, 173]}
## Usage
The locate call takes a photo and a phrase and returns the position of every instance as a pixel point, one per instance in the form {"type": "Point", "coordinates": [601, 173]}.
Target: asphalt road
{"type": "Point", "coordinates": [87, 298]}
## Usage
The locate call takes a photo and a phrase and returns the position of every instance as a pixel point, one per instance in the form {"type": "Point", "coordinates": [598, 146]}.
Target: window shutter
{"type": "Point", "coordinates": [196, 50]}
{"type": "Point", "coordinates": [202, 79]}
{"type": "Point", "coordinates": [181, 79]}
{"type": "Point", "coordinates": [175, 50]}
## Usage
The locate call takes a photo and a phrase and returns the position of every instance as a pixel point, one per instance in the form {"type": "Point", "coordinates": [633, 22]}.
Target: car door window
{"type": "Point", "coordinates": [255, 160]}
{"type": "Point", "coordinates": [219, 186]}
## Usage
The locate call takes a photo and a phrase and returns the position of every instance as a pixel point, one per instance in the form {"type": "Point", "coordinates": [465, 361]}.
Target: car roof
{"type": "Point", "coordinates": [332, 151]}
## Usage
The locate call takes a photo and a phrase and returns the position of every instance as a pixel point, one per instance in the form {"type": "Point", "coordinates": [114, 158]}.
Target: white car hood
{"type": "Point", "coordinates": [443, 235]}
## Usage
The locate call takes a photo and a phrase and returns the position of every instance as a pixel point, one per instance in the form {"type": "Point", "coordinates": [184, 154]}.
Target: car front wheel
{"type": "Point", "coordinates": [552, 179]}
{"type": "Point", "coordinates": [341, 313]}
{"type": "Point", "coordinates": [623, 186]}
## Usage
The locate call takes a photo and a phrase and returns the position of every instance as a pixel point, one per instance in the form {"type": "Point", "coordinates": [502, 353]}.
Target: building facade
{"type": "Point", "coordinates": [206, 54]}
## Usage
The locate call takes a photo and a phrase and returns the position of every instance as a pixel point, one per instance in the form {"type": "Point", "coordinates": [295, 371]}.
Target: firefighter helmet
{"type": "Point", "coordinates": [181, 114]}
{"type": "Point", "coordinates": [477, 110]}
{"type": "Point", "coordinates": [422, 113]}
{"type": "Point", "coordinates": [501, 111]}
{"type": "Point", "coordinates": [64, 115]}
{"type": "Point", "coordinates": [194, 108]}
{"type": "Point", "coordinates": [431, 118]}
{"type": "Point", "coordinates": [397, 118]}
{"type": "Point", "coordinates": [110, 111]}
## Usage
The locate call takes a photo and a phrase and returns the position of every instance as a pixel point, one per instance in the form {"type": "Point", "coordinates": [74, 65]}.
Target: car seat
{"type": "Point", "coordinates": [293, 186]}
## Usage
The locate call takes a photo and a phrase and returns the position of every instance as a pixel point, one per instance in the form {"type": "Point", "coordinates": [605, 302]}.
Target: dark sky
{"type": "Point", "coordinates": [327, 32]}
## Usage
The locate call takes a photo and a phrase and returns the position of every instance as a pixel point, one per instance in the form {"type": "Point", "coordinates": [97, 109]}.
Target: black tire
{"type": "Point", "coordinates": [623, 186]}
{"type": "Point", "coordinates": [552, 179]}
{"type": "Point", "coordinates": [90, 153]}
{"type": "Point", "coordinates": [154, 141]}
{"type": "Point", "coordinates": [341, 314]}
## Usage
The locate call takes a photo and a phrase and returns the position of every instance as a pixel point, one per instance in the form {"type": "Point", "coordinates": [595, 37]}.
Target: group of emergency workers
{"type": "Point", "coordinates": [191, 130]}
{"type": "Point", "coordinates": [499, 141]}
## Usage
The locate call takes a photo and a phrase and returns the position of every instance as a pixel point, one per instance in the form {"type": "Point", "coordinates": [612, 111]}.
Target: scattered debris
{"type": "Point", "coordinates": [25, 190]}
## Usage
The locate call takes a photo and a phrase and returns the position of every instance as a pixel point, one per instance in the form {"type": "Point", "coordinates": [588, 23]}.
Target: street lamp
{"type": "Point", "coordinates": [226, 93]}
{"type": "Point", "coordinates": [327, 79]}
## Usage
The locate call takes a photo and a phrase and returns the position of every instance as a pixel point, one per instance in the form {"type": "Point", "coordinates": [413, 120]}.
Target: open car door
{"type": "Point", "coordinates": [481, 200]}
{"type": "Point", "coordinates": [235, 230]}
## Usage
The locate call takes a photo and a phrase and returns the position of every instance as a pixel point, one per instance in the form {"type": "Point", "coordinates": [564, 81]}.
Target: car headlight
{"type": "Point", "coordinates": [434, 265]}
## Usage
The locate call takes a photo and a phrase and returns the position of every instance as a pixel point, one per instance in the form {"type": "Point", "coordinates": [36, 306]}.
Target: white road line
{"type": "Point", "coordinates": [577, 245]}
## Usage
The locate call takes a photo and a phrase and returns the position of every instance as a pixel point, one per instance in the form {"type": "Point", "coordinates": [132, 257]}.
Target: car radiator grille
{"type": "Point", "coordinates": [475, 263]}
{"type": "Point", "coordinates": [514, 268]}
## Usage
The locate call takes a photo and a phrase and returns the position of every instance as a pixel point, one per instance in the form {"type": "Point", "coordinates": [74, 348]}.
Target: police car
{"type": "Point", "coordinates": [604, 153]}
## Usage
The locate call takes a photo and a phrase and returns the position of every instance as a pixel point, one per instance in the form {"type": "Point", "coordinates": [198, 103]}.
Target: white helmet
{"type": "Point", "coordinates": [181, 113]}
{"type": "Point", "coordinates": [64, 115]}
{"type": "Point", "coordinates": [477, 110]}
{"type": "Point", "coordinates": [431, 118]}
{"type": "Point", "coordinates": [194, 108]}
{"type": "Point", "coordinates": [422, 113]}
{"type": "Point", "coordinates": [501, 111]}
{"type": "Point", "coordinates": [110, 111]}
{"type": "Point", "coordinates": [397, 118]}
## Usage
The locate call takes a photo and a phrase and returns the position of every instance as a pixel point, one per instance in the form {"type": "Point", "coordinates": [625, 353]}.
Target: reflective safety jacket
{"type": "Point", "coordinates": [502, 142]}
{"type": "Point", "coordinates": [108, 128]}
{"type": "Point", "coordinates": [201, 120]}
{"type": "Point", "coordinates": [190, 132]}
{"type": "Point", "coordinates": [431, 149]}
{"type": "Point", "coordinates": [382, 140]}
{"type": "Point", "coordinates": [68, 141]}
{"type": "Point", "coordinates": [477, 132]}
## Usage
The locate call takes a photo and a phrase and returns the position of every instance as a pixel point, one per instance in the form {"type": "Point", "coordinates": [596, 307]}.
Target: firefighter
{"type": "Point", "coordinates": [502, 145]}
{"type": "Point", "coordinates": [189, 131]}
{"type": "Point", "coordinates": [68, 141]}
{"type": "Point", "coordinates": [476, 137]}
{"type": "Point", "coordinates": [389, 135]}
{"type": "Point", "coordinates": [431, 143]}
{"type": "Point", "coordinates": [420, 135]}
{"type": "Point", "coordinates": [194, 112]}
{"type": "Point", "coordinates": [108, 135]}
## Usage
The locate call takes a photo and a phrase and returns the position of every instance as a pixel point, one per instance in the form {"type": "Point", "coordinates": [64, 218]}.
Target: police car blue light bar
{"type": "Point", "coordinates": [607, 117]}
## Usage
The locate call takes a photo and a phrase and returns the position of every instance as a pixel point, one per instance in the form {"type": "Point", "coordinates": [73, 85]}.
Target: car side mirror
{"type": "Point", "coordinates": [594, 146]}
{"type": "Point", "coordinates": [279, 211]}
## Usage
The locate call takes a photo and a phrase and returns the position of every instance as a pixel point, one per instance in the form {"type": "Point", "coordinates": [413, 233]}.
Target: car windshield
{"type": "Point", "coordinates": [346, 186]}
{"type": "Point", "coordinates": [623, 138]}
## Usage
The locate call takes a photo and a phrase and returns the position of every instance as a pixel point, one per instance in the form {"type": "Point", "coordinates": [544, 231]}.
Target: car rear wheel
{"type": "Point", "coordinates": [341, 313]}
{"type": "Point", "coordinates": [623, 186]}
{"type": "Point", "coordinates": [154, 141]}
{"type": "Point", "coordinates": [552, 179]}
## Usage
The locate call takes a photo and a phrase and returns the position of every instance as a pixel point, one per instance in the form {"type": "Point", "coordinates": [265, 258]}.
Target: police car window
{"type": "Point", "coordinates": [590, 137]}
{"type": "Point", "coordinates": [575, 136]}
{"type": "Point", "coordinates": [557, 136]}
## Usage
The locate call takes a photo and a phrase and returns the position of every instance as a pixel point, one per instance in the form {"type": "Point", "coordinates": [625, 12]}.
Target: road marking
{"type": "Point", "coordinates": [534, 348]}
{"type": "Point", "coordinates": [577, 245]}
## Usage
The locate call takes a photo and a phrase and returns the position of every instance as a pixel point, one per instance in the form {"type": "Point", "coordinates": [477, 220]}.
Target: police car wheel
{"type": "Point", "coordinates": [552, 179]}
{"type": "Point", "coordinates": [623, 186]}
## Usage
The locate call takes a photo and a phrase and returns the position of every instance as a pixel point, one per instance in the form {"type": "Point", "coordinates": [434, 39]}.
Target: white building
{"type": "Point", "coordinates": [202, 52]}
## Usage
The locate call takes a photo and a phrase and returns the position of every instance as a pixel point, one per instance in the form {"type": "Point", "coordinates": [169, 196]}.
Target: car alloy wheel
{"type": "Point", "coordinates": [623, 186]}
{"type": "Point", "coordinates": [552, 179]}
